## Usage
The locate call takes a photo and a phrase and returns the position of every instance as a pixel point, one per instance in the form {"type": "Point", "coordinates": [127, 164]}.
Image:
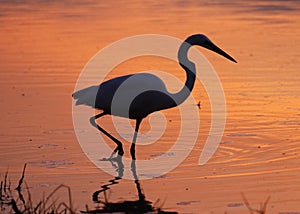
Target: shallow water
{"type": "Point", "coordinates": [45, 45]}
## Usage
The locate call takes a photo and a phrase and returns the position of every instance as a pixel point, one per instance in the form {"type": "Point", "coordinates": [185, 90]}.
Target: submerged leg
{"type": "Point", "coordinates": [132, 148]}
{"type": "Point", "coordinates": [119, 147]}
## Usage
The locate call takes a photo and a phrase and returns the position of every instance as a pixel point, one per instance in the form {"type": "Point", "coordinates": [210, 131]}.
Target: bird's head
{"type": "Point", "coordinates": [204, 41]}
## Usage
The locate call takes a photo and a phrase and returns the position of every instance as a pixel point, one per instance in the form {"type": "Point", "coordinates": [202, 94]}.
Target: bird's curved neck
{"type": "Point", "coordinates": [190, 70]}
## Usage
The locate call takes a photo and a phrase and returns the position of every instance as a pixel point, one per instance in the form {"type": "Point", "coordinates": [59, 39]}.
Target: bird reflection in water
{"type": "Point", "coordinates": [141, 205]}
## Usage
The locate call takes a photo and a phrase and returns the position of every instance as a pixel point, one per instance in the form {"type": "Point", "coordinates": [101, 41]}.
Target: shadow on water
{"type": "Point", "coordinates": [141, 205]}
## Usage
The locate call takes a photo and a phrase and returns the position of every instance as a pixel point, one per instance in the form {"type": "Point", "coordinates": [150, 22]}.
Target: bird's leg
{"type": "Point", "coordinates": [132, 148]}
{"type": "Point", "coordinates": [119, 147]}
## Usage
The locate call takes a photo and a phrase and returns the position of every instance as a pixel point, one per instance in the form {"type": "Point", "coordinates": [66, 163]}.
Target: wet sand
{"type": "Point", "coordinates": [44, 47]}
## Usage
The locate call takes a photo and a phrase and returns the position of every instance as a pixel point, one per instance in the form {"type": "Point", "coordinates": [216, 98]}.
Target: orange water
{"type": "Point", "coordinates": [45, 45]}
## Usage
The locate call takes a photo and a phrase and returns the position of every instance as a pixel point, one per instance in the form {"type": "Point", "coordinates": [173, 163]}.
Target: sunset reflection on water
{"type": "Point", "coordinates": [45, 45]}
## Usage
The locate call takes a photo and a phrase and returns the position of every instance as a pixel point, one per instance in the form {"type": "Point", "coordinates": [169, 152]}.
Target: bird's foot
{"type": "Point", "coordinates": [116, 154]}
{"type": "Point", "coordinates": [118, 149]}
{"type": "Point", "coordinates": [121, 152]}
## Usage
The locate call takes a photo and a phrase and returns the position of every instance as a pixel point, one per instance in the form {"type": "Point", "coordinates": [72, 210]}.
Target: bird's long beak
{"type": "Point", "coordinates": [211, 46]}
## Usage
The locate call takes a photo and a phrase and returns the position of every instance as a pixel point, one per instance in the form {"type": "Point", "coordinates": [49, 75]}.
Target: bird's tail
{"type": "Point", "coordinates": [86, 96]}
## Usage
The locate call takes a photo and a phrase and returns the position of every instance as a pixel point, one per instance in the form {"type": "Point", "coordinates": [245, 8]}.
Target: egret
{"type": "Point", "coordinates": [145, 92]}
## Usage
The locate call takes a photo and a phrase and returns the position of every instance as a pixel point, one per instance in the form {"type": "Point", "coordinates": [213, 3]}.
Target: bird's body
{"type": "Point", "coordinates": [102, 96]}
{"type": "Point", "coordinates": [135, 96]}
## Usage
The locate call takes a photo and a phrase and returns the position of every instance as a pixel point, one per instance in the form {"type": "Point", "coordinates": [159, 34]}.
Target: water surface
{"type": "Point", "coordinates": [45, 45]}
